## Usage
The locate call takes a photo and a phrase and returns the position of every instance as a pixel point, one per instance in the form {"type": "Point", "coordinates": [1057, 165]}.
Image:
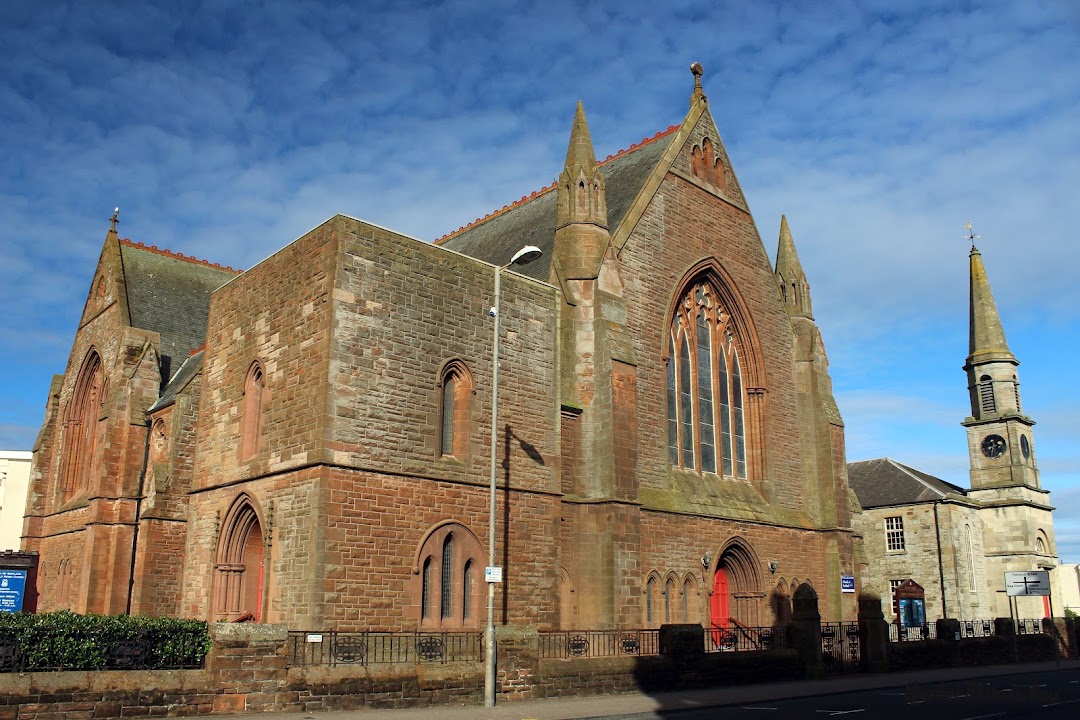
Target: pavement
{"type": "Point", "coordinates": [599, 706]}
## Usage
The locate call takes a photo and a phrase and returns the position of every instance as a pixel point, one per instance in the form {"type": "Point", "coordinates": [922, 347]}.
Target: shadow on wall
{"type": "Point", "coordinates": [509, 439]}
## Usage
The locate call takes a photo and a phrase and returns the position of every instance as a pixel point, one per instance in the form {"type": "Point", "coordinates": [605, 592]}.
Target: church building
{"type": "Point", "coordinates": [956, 544]}
{"type": "Point", "coordinates": [310, 441]}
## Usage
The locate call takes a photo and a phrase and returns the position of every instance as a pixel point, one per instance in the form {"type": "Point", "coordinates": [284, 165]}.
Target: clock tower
{"type": "Point", "coordinates": [1000, 441]}
{"type": "Point", "coordinates": [1018, 531]}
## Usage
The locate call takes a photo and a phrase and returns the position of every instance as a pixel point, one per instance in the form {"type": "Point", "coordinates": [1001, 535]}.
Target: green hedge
{"type": "Point", "coordinates": [67, 641]}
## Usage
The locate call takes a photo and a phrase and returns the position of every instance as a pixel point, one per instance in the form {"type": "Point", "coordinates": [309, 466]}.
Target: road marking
{"type": "Point", "coordinates": [747, 707]}
{"type": "Point", "coordinates": [953, 697]}
{"type": "Point", "coordinates": [1063, 702]}
{"type": "Point", "coordinates": [1007, 690]}
{"type": "Point", "coordinates": [842, 712]}
{"type": "Point", "coordinates": [980, 717]}
{"type": "Point", "coordinates": [892, 693]}
{"type": "Point", "coordinates": [916, 702]}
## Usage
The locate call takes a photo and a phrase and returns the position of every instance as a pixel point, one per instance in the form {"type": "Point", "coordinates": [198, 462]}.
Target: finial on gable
{"type": "Point", "coordinates": [114, 220]}
{"type": "Point", "coordinates": [698, 94]}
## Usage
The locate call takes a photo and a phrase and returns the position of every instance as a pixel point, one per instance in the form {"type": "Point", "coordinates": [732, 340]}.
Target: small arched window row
{"type": "Point", "coordinates": [705, 393]}
{"type": "Point", "coordinates": [670, 598]}
{"type": "Point", "coordinates": [706, 165]}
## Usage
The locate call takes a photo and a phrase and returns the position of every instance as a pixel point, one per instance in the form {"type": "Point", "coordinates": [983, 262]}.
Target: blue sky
{"type": "Point", "coordinates": [226, 129]}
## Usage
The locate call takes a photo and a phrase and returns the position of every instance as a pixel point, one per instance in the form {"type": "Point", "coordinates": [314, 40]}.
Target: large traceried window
{"type": "Point", "coordinates": [706, 429]}
{"type": "Point", "coordinates": [81, 426]}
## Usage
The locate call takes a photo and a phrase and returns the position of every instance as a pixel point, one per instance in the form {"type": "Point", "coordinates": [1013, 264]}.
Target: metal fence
{"type": "Point", "coordinates": [968, 629]}
{"type": "Point", "coordinates": [910, 633]}
{"type": "Point", "coordinates": [599, 643]}
{"type": "Point", "coordinates": [976, 628]}
{"type": "Point", "coordinates": [840, 650]}
{"type": "Point", "coordinates": [737, 638]}
{"type": "Point", "coordinates": [330, 647]}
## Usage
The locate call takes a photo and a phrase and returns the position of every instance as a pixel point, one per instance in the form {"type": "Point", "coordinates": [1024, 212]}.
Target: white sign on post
{"type": "Point", "coordinates": [493, 574]}
{"type": "Point", "coordinates": [1029, 582]}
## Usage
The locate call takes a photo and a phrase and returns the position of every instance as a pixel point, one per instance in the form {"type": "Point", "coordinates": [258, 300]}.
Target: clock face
{"type": "Point", "coordinates": [1025, 447]}
{"type": "Point", "coordinates": [993, 446]}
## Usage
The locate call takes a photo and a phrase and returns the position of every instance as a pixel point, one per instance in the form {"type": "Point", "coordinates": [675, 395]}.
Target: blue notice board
{"type": "Point", "coordinates": [847, 583]}
{"type": "Point", "coordinates": [12, 588]}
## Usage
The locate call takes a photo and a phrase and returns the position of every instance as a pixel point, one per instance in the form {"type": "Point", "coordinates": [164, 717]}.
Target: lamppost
{"type": "Point", "coordinates": [493, 574]}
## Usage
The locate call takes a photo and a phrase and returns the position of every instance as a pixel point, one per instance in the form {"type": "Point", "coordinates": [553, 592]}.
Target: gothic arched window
{"type": "Point", "coordinates": [81, 426]}
{"type": "Point", "coordinates": [446, 566]}
{"type": "Point", "coordinates": [706, 429]}
{"type": "Point", "coordinates": [455, 399]}
{"type": "Point", "coordinates": [251, 419]}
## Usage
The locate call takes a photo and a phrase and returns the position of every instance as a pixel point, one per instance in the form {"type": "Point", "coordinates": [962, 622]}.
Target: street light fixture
{"type": "Point", "coordinates": [493, 574]}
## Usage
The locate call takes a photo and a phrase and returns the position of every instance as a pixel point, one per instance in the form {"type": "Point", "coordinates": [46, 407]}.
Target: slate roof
{"type": "Point", "coordinates": [169, 294]}
{"type": "Point", "coordinates": [884, 482]}
{"type": "Point", "coordinates": [531, 220]}
{"type": "Point", "coordinates": [189, 369]}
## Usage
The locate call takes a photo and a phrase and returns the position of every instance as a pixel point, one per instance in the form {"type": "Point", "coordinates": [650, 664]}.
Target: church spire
{"type": "Point", "coordinates": [581, 227]}
{"type": "Point", "coordinates": [986, 335]}
{"type": "Point", "coordinates": [790, 276]}
{"type": "Point", "coordinates": [580, 151]}
{"type": "Point", "coordinates": [581, 184]}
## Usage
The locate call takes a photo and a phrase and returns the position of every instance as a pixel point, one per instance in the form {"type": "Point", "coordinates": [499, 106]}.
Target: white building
{"type": "Point", "coordinates": [14, 482]}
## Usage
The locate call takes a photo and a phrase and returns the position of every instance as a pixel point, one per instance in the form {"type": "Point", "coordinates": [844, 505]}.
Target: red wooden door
{"type": "Point", "coordinates": [718, 605]}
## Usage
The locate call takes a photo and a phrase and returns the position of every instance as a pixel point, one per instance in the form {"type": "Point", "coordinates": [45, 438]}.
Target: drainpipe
{"type": "Point", "coordinates": [940, 565]}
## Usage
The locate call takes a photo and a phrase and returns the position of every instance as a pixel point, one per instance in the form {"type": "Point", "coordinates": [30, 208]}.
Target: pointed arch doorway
{"type": "Point", "coordinates": [240, 570]}
{"type": "Point", "coordinates": [736, 591]}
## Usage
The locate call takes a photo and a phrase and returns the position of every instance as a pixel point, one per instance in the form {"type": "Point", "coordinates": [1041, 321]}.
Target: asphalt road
{"type": "Point", "coordinates": [1053, 695]}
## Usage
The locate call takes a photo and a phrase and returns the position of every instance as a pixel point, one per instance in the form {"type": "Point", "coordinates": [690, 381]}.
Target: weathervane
{"type": "Point", "coordinates": [115, 218]}
{"type": "Point", "coordinates": [971, 234]}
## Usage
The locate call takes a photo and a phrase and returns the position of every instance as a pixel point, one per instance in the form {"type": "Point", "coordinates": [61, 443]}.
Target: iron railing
{"type": "Point", "coordinates": [1029, 626]}
{"type": "Point", "coordinates": [599, 643]}
{"type": "Point", "coordinates": [968, 629]}
{"type": "Point", "coordinates": [976, 628]}
{"type": "Point", "coordinates": [330, 647]}
{"type": "Point", "coordinates": [737, 637]}
{"type": "Point", "coordinates": [912, 633]}
{"type": "Point", "coordinates": [840, 651]}
{"type": "Point", "coordinates": [46, 650]}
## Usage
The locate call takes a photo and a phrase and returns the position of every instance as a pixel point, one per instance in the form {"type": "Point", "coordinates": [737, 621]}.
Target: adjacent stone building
{"type": "Point", "coordinates": [308, 442]}
{"type": "Point", "coordinates": [958, 543]}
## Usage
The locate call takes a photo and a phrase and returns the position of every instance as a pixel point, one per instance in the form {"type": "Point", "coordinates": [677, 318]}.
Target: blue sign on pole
{"type": "Point", "coordinates": [12, 588]}
{"type": "Point", "coordinates": [847, 583]}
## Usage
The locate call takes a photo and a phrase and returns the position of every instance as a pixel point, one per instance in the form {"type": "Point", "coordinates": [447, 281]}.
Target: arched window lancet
{"type": "Point", "coordinates": [456, 391]}
{"type": "Point", "coordinates": [253, 407]}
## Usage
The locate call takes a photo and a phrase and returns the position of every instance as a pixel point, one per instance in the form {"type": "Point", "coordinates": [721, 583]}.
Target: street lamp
{"type": "Point", "coordinates": [493, 574]}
